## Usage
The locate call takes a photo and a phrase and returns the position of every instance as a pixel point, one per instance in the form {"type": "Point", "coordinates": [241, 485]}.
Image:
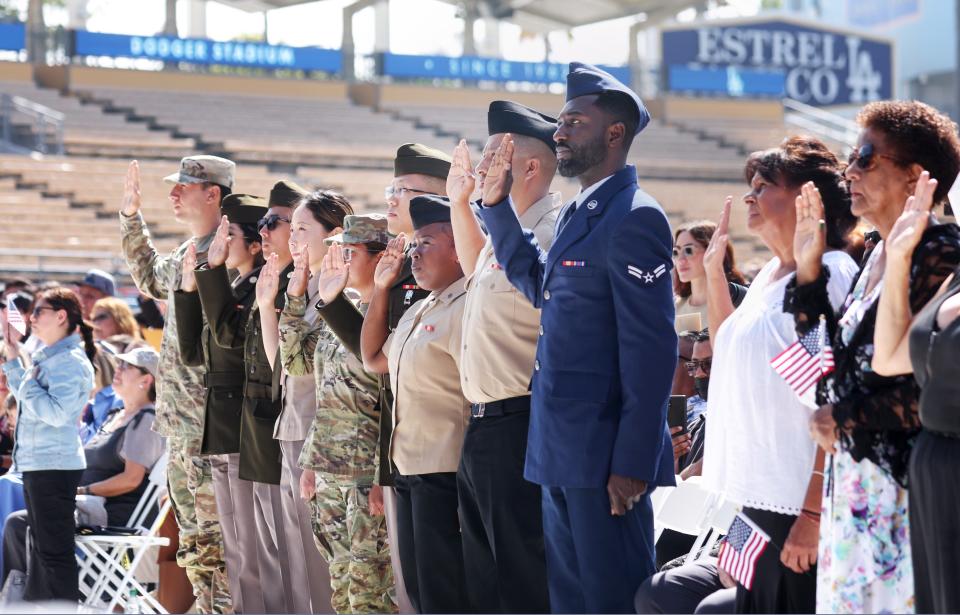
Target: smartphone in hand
{"type": "Point", "coordinates": [677, 412]}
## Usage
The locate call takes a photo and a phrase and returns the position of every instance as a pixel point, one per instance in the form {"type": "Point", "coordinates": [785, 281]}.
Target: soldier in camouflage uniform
{"type": "Point", "coordinates": [199, 187]}
{"type": "Point", "coordinates": [341, 445]}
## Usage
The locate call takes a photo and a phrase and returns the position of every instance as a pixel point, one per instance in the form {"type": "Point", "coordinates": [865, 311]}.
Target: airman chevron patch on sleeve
{"type": "Point", "coordinates": [646, 276]}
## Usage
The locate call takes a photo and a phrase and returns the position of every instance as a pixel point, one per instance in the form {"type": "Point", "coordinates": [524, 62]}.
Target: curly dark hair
{"type": "Point", "coordinates": [918, 134]}
{"type": "Point", "coordinates": [799, 159]}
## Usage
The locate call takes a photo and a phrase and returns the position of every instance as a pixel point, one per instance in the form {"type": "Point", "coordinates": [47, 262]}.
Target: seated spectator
{"type": "Point", "coordinates": [700, 587]}
{"type": "Point", "coordinates": [112, 316]}
{"type": "Point", "coordinates": [690, 279]}
{"type": "Point", "coordinates": [96, 285]}
{"type": "Point", "coordinates": [699, 368]}
{"type": "Point", "coordinates": [119, 458]}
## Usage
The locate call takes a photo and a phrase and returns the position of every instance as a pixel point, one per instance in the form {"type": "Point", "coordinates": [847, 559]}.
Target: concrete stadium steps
{"type": "Point", "coordinates": [661, 150]}
{"type": "Point", "coordinates": [268, 129]}
{"type": "Point", "coordinates": [88, 130]}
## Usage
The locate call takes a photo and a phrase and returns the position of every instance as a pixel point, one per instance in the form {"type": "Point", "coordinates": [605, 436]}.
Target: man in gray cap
{"type": "Point", "coordinates": [198, 188]}
{"type": "Point", "coordinates": [96, 285]}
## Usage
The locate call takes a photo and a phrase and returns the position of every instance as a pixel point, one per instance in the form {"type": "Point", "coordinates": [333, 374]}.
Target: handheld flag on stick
{"type": "Point", "coordinates": [806, 361]}
{"type": "Point", "coordinates": [15, 318]}
{"type": "Point", "coordinates": [741, 549]}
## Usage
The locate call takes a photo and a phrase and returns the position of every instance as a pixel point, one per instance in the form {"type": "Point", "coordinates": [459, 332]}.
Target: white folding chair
{"type": "Point", "coordinates": [684, 509]}
{"type": "Point", "coordinates": [108, 564]}
{"type": "Point", "coordinates": [719, 517]}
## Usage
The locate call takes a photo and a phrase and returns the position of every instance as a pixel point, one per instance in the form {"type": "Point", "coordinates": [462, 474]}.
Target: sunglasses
{"type": "Point", "coordinates": [40, 308]}
{"type": "Point", "coordinates": [703, 364]}
{"type": "Point", "coordinates": [349, 251]}
{"type": "Point", "coordinates": [866, 156]}
{"type": "Point", "coordinates": [685, 251]}
{"type": "Point", "coordinates": [123, 365]}
{"type": "Point", "coordinates": [271, 222]}
{"type": "Point", "coordinates": [100, 317]}
{"type": "Point", "coordinates": [389, 192]}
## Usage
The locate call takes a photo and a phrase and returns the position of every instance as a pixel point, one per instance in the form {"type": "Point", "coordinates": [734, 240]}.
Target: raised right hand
{"type": "Point", "coordinates": [131, 190]}
{"type": "Point", "coordinates": [297, 286]}
{"type": "Point", "coordinates": [391, 263]}
{"type": "Point", "coordinates": [499, 178]}
{"type": "Point", "coordinates": [334, 273]}
{"type": "Point", "coordinates": [717, 248]}
{"type": "Point", "coordinates": [461, 180]}
{"type": "Point", "coordinates": [188, 278]}
{"type": "Point", "coordinates": [810, 237]}
{"type": "Point", "coordinates": [217, 252]}
{"type": "Point", "coordinates": [268, 283]}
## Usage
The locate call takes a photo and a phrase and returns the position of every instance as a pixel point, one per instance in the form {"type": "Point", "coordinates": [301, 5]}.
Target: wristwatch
{"type": "Point", "coordinates": [83, 491]}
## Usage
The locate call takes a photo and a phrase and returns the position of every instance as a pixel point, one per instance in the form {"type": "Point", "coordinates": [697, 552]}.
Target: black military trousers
{"type": "Point", "coordinates": [501, 519]}
{"type": "Point", "coordinates": [428, 535]}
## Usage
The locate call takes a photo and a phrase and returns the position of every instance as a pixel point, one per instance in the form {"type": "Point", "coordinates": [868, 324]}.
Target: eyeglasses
{"type": "Point", "coordinates": [100, 317]}
{"type": "Point", "coordinates": [40, 308]}
{"type": "Point", "coordinates": [865, 157]}
{"type": "Point", "coordinates": [123, 365]}
{"type": "Point", "coordinates": [390, 192]}
{"type": "Point", "coordinates": [685, 251]}
{"type": "Point", "coordinates": [271, 222]}
{"type": "Point", "coordinates": [349, 251]}
{"type": "Point", "coordinates": [703, 364]}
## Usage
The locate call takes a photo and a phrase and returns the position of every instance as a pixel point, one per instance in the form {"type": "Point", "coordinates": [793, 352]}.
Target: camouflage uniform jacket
{"type": "Point", "coordinates": [180, 390]}
{"type": "Point", "coordinates": [342, 439]}
{"type": "Point", "coordinates": [341, 316]}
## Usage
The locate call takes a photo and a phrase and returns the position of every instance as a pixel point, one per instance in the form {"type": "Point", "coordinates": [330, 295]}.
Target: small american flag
{"type": "Point", "coordinates": [742, 548]}
{"type": "Point", "coordinates": [806, 361]}
{"type": "Point", "coordinates": [15, 318]}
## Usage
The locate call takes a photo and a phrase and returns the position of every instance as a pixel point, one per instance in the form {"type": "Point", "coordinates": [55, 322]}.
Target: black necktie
{"type": "Point", "coordinates": [566, 217]}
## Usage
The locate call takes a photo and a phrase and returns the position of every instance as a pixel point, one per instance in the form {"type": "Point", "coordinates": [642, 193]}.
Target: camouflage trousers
{"type": "Point", "coordinates": [190, 484]}
{"type": "Point", "coordinates": [354, 543]}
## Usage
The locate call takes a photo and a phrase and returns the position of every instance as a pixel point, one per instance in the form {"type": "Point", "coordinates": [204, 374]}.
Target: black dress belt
{"type": "Point", "coordinates": [500, 407]}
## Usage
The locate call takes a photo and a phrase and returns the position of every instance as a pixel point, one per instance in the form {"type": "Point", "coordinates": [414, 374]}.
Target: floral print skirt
{"type": "Point", "coordinates": [864, 564]}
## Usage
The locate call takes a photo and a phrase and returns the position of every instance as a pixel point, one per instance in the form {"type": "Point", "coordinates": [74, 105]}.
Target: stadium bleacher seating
{"type": "Point", "coordinates": [319, 134]}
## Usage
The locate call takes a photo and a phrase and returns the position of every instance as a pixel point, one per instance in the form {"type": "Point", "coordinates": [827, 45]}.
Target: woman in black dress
{"type": "Point", "coordinates": [928, 345]}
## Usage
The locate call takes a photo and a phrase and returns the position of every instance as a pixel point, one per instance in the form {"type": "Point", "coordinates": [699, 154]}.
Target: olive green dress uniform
{"type": "Point", "coordinates": [260, 455]}
{"type": "Point", "coordinates": [224, 378]}
{"type": "Point", "coordinates": [180, 398]}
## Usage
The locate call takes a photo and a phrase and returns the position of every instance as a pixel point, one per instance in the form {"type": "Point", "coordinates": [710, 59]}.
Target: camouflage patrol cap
{"type": "Point", "coordinates": [146, 358]}
{"type": "Point", "coordinates": [200, 169]}
{"type": "Point", "coordinates": [368, 228]}
{"type": "Point", "coordinates": [243, 208]}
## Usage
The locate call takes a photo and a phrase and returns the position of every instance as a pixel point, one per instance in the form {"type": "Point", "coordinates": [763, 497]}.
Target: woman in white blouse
{"type": "Point", "coordinates": [758, 449]}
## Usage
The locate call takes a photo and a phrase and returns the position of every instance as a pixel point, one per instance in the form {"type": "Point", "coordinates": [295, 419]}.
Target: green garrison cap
{"type": "Point", "coordinates": [286, 194]}
{"type": "Point", "coordinates": [368, 228]}
{"type": "Point", "coordinates": [243, 208]}
{"type": "Point", "coordinates": [420, 159]}
{"type": "Point", "coordinates": [200, 169]}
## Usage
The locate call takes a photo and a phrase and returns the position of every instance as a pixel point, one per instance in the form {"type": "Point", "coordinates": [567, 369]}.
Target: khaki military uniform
{"type": "Point", "coordinates": [503, 546]}
{"type": "Point", "coordinates": [180, 414]}
{"type": "Point", "coordinates": [341, 447]}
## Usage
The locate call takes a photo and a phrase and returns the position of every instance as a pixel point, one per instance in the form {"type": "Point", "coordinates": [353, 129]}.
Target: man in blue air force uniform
{"type": "Point", "coordinates": [598, 441]}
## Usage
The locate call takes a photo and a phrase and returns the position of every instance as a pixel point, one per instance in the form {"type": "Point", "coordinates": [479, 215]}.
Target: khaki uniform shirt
{"type": "Point", "coordinates": [180, 390]}
{"type": "Point", "coordinates": [430, 414]}
{"type": "Point", "coordinates": [299, 385]}
{"type": "Point", "coordinates": [343, 434]}
{"type": "Point", "coordinates": [500, 327]}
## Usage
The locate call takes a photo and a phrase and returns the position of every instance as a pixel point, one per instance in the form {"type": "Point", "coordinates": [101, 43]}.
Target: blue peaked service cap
{"type": "Point", "coordinates": [584, 79]}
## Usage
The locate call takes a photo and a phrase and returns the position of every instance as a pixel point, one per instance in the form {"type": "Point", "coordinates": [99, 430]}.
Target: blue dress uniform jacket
{"type": "Point", "coordinates": [607, 351]}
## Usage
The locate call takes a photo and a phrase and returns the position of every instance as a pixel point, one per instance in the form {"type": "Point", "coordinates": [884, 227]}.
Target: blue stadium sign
{"type": "Point", "coordinates": [781, 57]}
{"type": "Point", "coordinates": [13, 36]}
{"type": "Point", "coordinates": [482, 69]}
{"type": "Point", "coordinates": [203, 51]}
